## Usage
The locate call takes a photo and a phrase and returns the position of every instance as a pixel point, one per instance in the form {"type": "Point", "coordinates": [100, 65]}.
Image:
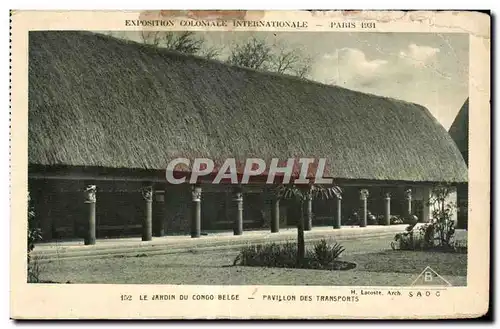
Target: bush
{"type": "Point", "coordinates": [410, 220]}
{"type": "Point", "coordinates": [396, 220]}
{"type": "Point", "coordinates": [371, 219]}
{"type": "Point", "coordinates": [352, 219]}
{"type": "Point", "coordinates": [355, 219]}
{"type": "Point", "coordinates": [460, 247]}
{"type": "Point", "coordinates": [322, 255]}
{"type": "Point", "coordinates": [34, 235]}
{"type": "Point", "coordinates": [268, 255]}
{"type": "Point", "coordinates": [439, 233]}
{"type": "Point", "coordinates": [34, 271]}
{"type": "Point", "coordinates": [325, 254]}
{"type": "Point", "coordinates": [350, 222]}
{"type": "Point", "coordinates": [429, 236]}
{"type": "Point", "coordinates": [381, 219]}
{"type": "Point", "coordinates": [409, 240]}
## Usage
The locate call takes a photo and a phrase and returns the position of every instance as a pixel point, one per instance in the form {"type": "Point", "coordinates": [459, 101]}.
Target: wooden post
{"type": "Point", "coordinates": [159, 212]}
{"type": "Point", "coordinates": [275, 214]}
{"type": "Point", "coordinates": [337, 221]}
{"type": "Point", "coordinates": [90, 200]}
{"type": "Point", "coordinates": [363, 194]}
{"type": "Point", "coordinates": [238, 220]}
{"type": "Point", "coordinates": [196, 212]}
{"type": "Point", "coordinates": [408, 200]}
{"type": "Point", "coordinates": [147, 227]}
{"type": "Point", "coordinates": [309, 213]}
{"type": "Point", "coordinates": [387, 214]}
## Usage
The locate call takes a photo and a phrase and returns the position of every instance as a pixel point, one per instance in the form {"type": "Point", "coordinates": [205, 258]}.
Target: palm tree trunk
{"type": "Point", "coordinates": [301, 249]}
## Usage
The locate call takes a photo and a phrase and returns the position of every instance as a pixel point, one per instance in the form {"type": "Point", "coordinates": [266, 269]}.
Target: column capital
{"type": "Point", "coordinates": [363, 194]}
{"type": "Point", "coordinates": [388, 195]}
{"type": "Point", "coordinates": [238, 194]}
{"type": "Point", "coordinates": [90, 193]}
{"type": "Point", "coordinates": [196, 193]}
{"type": "Point", "coordinates": [408, 194]}
{"type": "Point", "coordinates": [147, 193]}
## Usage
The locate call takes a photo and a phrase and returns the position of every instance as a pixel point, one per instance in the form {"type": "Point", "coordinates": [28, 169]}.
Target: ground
{"type": "Point", "coordinates": [376, 265]}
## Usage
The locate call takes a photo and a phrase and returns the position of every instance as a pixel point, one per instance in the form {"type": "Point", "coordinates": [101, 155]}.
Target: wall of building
{"type": "Point", "coordinates": [463, 206]}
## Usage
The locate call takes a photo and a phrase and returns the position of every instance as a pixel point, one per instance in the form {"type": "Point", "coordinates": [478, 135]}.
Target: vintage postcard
{"type": "Point", "coordinates": [250, 164]}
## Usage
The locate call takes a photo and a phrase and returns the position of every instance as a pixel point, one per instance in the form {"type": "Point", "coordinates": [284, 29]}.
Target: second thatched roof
{"type": "Point", "coordinates": [96, 101]}
{"type": "Point", "coordinates": [459, 130]}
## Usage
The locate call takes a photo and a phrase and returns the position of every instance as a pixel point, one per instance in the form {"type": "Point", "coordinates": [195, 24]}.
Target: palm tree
{"type": "Point", "coordinates": [301, 193]}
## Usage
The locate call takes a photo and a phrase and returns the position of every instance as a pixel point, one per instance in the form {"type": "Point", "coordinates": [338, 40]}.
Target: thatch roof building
{"type": "Point", "coordinates": [100, 102]}
{"type": "Point", "coordinates": [459, 130]}
{"type": "Point", "coordinates": [103, 109]}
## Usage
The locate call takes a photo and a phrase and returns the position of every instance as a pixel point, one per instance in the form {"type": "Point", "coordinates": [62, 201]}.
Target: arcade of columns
{"type": "Point", "coordinates": [148, 229]}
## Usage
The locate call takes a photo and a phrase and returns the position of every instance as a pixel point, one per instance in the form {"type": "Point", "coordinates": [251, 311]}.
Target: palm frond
{"type": "Point", "coordinates": [325, 193]}
{"type": "Point", "coordinates": [301, 193]}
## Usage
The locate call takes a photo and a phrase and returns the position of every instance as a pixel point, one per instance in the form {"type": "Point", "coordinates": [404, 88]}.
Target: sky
{"type": "Point", "coordinates": [425, 68]}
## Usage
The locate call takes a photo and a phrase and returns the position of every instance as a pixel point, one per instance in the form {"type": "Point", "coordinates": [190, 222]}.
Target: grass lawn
{"type": "Point", "coordinates": [403, 261]}
{"type": "Point", "coordinates": [378, 267]}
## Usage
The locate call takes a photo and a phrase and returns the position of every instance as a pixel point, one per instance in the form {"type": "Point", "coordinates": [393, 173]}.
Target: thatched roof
{"type": "Point", "coordinates": [459, 130]}
{"type": "Point", "coordinates": [102, 102]}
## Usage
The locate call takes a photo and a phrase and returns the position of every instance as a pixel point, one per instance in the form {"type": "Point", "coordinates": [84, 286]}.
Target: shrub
{"type": "Point", "coordinates": [409, 240]}
{"type": "Point", "coordinates": [395, 220]}
{"type": "Point", "coordinates": [34, 270]}
{"type": "Point", "coordinates": [444, 226]}
{"type": "Point", "coordinates": [371, 219]}
{"type": "Point", "coordinates": [355, 219]}
{"type": "Point", "coordinates": [352, 219]}
{"type": "Point", "coordinates": [268, 255]}
{"type": "Point", "coordinates": [440, 235]}
{"type": "Point", "coordinates": [325, 254]}
{"type": "Point", "coordinates": [350, 222]}
{"type": "Point", "coordinates": [322, 255]}
{"type": "Point", "coordinates": [427, 236]}
{"type": "Point", "coordinates": [440, 231]}
{"type": "Point", "coordinates": [410, 220]}
{"type": "Point", "coordinates": [460, 247]}
{"type": "Point", "coordinates": [34, 235]}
